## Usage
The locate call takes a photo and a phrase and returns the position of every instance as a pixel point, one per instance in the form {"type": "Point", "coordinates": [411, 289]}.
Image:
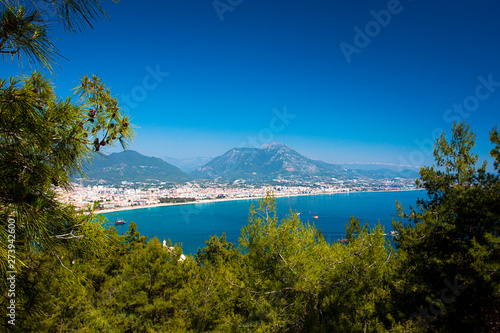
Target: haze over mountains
{"type": "Point", "coordinates": [379, 166]}
{"type": "Point", "coordinates": [271, 162]}
{"type": "Point", "coordinates": [277, 161]}
{"type": "Point", "coordinates": [188, 164]}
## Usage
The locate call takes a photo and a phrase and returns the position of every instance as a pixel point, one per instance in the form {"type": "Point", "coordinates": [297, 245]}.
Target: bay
{"type": "Point", "coordinates": [192, 224]}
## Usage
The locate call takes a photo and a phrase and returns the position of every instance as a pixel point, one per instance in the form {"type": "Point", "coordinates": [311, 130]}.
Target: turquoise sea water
{"type": "Point", "coordinates": [192, 224]}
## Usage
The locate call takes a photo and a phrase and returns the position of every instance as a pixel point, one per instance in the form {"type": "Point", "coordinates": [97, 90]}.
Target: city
{"type": "Point", "coordinates": [138, 194]}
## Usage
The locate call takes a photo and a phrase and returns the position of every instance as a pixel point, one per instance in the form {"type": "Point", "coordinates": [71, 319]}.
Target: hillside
{"type": "Point", "coordinates": [131, 166]}
{"type": "Point", "coordinates": [278, 161]}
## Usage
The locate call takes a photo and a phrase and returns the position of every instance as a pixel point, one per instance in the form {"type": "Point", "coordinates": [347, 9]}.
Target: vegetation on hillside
{"type": "Point", "coordinates": [64, 271]}
{"type": "Point", "coordinates": [130, 166]}
{"type": "Point", "coordinates": [283, 276]}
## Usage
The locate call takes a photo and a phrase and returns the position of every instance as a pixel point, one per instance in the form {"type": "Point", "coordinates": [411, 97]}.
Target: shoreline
{"type": "Point", "coordinates": [121, 209]}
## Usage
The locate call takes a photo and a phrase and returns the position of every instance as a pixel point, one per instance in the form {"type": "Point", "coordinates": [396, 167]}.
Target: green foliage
{"type": "Point", "coordinates": [291, 279]}
{"type": "Point", "coordinates": [453, 238]}
{"type": "Point", "coordinates": [218, 251]}
{"type": "Point", "coordinates": [75, 275]}
{"type": "Point", "coordinates": [146, 287]}
{"type": "Point", "coordinates": [24, 32]}
{"type": "Point", "coordinates": [74, 15]}
{"type": "Point", "coordinates": [44, 140]}
{"type": "Point", "coordinates": [353, 228]}
{"type": "Point", "coordinates": [24, 26]}
{"type": "Point", "coordinates": [283, 277]}
{"type": "Point", "coordinates": [103, 123]}
{"type": "Point", "coordinates": [133, 239]}
{"type": "Point", "coordinates": [495, 152]}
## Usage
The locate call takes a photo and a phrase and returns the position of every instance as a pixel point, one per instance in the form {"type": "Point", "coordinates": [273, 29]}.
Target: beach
{"type": "Point", "coordinates": [127, 208]}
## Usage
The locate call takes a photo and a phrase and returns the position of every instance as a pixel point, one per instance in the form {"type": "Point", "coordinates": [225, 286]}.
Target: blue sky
{"type": "Point", "coordinates": [352, 81]}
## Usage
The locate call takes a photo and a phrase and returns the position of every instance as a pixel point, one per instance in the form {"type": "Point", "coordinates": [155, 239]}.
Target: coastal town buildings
{"type": "Point", "coordinates": [130, 194]}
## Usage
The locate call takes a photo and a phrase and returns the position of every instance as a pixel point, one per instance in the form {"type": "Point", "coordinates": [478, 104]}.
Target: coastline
{"type": "Point", "coordinates": [121, 209]}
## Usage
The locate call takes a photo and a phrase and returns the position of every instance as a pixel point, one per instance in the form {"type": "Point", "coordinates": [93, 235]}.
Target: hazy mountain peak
{"type": "Point", "coordinates": [277, 161]}
{"type": "Point", "coordinates": [273, 145]}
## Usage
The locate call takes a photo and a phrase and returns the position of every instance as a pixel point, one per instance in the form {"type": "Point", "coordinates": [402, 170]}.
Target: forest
{"type": "Point", "coordinates": [63, 270]}
{"type": "Point", "coordinates": [441, 276]}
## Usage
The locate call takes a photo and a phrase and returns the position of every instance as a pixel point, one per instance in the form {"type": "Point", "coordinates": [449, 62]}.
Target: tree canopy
{"type": "Point", "coordinates": [441, 276]}
{"type": "Point", "coordinates": [25, 26]}
{"type": "Point", "coordinates": [44, 140]}
{"type": "Point", "coordinates": [453, 240]}
{"type": "Point", "coordinates": [73, 273]}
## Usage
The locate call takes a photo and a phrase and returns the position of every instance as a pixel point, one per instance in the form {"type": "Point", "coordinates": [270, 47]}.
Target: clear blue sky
{"type": "Point", "coordinates": [374, 96]}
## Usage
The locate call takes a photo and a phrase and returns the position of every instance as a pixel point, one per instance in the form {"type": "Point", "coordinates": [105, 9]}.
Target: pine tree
{"type": "Point", "coordinates": [44, 141]}
{"type": "Point", "coordinates": [24, 27]}
{"type": "Point", "coordinates": [450, 252]}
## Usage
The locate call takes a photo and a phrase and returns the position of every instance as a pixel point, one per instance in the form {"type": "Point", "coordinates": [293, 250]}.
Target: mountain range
{"type": "Point", "coordinates": [277, 161]}
{"type": "Point", "coordinates": [133, 167]}
{"type": "Point", "coordinates": [271, 162]}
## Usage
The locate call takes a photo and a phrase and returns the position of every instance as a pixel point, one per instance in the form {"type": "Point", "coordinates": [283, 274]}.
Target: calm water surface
{"type": "Point", "coordinates": [192, 224]}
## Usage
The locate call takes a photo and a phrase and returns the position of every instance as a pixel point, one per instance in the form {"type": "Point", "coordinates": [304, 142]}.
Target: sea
{"type": "Point", "coordinates": [191, 225]}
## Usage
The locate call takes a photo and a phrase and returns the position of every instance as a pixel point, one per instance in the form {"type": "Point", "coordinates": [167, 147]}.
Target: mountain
{"type": "Point", "coordinates": [278, 161]}
{"type": "Point", "coordinates": [133, 167]}
{"type": "Point", "coordinates": [269, 162]}
{"type": "Point", "coordinates": [187, 164]}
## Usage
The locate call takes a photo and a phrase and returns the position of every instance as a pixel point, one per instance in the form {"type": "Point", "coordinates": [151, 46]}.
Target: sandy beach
{"type": "Point", "coordinates": [120, 209]}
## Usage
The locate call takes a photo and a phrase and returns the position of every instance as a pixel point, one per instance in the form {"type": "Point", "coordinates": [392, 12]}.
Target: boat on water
{"type": "Point", "coordinates": [118, 222]}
